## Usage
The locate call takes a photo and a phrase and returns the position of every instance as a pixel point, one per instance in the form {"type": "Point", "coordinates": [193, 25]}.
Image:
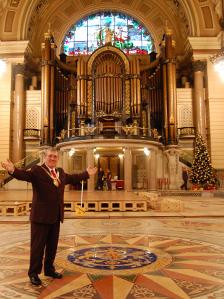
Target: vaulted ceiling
{"type": "Point", "coordinates": [29, 19]}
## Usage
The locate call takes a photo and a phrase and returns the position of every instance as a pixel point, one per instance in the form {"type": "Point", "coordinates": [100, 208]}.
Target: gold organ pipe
{"type": "Point", "coordinates": [52, 93]}
{"type": "Point", "coordinates": [165, 108]}
{"type": "Point", "coordinates": [107, 91]}
{"type": "Point", "coordinates": [152, 99]}
{"type": "Point", "coordinates": [104, 88]}
{"type": "Point", "coordinates": [174, 133]}
{"type": "Point", "coordinates": [85, 91]}
{"type": "Point", "coordinates": [159, 90]}
{"type": "Point", "coordinates": [47, 84]}
{"type": "Point", "coordinates": [112, 88]}
{"type": "Point", "coordinates": [135, 86]}
{"type": "Point", "coordinates": [78, 86]}
{"type": "Point", "coordinates": [107, 94]}
{"type": "Point", "coordinates": [42, 90]}
{"type": "Point", "coordinates": [138, 86]}
{"type": "Point", "coordinates": [100, 86]}
{"type": "Point", "coordinates": [82, 87]}
{"type": "Point", "coordinates": [170, 92]}
{"type": "Point", "coordinates": [156, 91]}
{"type": "Point", "coordinates": [96, 91]}
{"type": "Point", "coordinates": [115, 88]}
{"type": "Point", "coordinates": [59, 96]}
{"type": "Point", "coordinates": [154, 95]}
{"type": "Point", "coordinates": [100, 90]}
{"type": "Point", "coordinates": [119, 85]}
{"type": "Point", "coordinates": [69, 90]}
{"type": "Point", "coordinates": [64, 97]}
{"type": "Point", "coordinates": [109, 88]}
{"type": "Point", "coordinates": [132, 88]}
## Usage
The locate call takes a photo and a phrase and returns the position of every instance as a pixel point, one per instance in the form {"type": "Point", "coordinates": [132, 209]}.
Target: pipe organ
{"type": "Point", "coordinates": [108, 80]}
{"type": "Point", "coordinates": [109, 88]}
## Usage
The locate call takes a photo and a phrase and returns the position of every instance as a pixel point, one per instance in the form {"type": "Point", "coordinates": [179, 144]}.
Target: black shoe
{"type": "Point", "coordinates": [54, 275]}
{"type": "Point", "coordinates": [35, 280]}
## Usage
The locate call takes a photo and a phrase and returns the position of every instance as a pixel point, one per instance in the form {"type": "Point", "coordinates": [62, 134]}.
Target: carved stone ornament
{"type": "Point", "coordinates": [199, 66]}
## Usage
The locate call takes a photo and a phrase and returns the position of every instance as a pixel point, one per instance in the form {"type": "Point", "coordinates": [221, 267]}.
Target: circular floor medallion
{"type": "Point", "coordinates": [114, 258]}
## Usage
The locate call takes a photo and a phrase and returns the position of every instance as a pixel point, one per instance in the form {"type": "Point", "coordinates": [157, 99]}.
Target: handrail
{"type": "Point", "coordinates": [103, 130]}
{"type": "Point", "coordinates": [186, 158]}
{"type": "Point", "coordinates": [25, 163]}
{"type": "Point", "coordinates": [186, 131]}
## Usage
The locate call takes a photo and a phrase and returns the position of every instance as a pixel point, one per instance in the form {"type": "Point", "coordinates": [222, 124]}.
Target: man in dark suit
{"type": "Point", "coordinates": [47, 211]}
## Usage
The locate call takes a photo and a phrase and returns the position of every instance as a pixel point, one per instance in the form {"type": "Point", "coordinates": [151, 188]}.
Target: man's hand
{"type": "Point", "coordinates": [91, 170]}
{"type": "Point", "coordinates": [8, 165]}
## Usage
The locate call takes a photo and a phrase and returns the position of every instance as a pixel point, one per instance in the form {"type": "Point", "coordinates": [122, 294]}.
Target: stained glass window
{"type": "Point", "coordinates": [96, 30]}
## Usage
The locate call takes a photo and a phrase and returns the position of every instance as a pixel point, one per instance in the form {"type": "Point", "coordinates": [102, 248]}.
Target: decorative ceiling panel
{"type": "Point", "coordinates": [69, 11]}
{"type": "Point", "coordinates": [144, 9]}
{"type": "Point", "coordinates": [86, 2]}
{"type": "Point", "coordinates": [207, 17]}
{"type": "Point", "coordinates": [9, 21]}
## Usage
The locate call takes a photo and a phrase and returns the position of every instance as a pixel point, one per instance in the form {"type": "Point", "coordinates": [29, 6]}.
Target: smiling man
{"type": "Point", "coordinates": [47, 211]}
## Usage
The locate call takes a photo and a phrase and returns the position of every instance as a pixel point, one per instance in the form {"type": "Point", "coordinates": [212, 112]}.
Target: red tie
{"type": "Point", "coordinates": [53, 174]}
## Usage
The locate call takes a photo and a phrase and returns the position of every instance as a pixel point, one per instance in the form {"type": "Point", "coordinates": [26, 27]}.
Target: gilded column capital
{"type": "Point", "coordinates": [199, 66]}
{"type": "Point", "coordinates": [19, 69]}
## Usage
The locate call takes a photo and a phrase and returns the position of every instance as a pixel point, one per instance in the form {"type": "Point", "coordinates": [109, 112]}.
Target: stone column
{"type": "Point", "coordinates": [46, 89]}
{"type": "Point", "coordinates": [18, 115]}
{"type": "Point", "coordinates": [169, 89]}
{"type": "Point", "coordinates": [151, 170]}
{"type": "Point", "coordinates": [199, 110]}
{"type": "Point", "coordinates": [52, 94]}
{"type": "Point", "coordinates": [128, 169]}
{"type": "Point", "coordinates": [90, 162]}
{"type": "Point", "coordinates": [34, 82]}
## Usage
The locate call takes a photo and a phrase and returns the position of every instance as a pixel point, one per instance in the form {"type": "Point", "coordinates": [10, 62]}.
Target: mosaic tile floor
{"type": "Point", "coordinates": [121, 259]}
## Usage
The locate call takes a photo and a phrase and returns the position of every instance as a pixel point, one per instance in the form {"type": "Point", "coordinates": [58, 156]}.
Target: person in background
{"type": "Point", "coordinates": [109, 177]}
{"type": "Point", "coordinates": [47, 211]}
{"type": "Point", "coordinates": [100, 179]}
{"type": "Point", "coordinates": [185, 178]}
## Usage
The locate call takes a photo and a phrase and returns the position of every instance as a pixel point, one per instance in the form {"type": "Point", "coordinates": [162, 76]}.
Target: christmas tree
{"type": "Point", "coordinates": [202, 172]}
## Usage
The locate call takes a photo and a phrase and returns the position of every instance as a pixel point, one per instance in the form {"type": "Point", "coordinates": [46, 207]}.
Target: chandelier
{"type": "Point", "coordinates": [218, 58]}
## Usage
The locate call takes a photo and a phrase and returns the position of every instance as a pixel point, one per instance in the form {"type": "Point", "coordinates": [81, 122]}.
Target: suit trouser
{"type": "Point", "coordinates": [44, 240]}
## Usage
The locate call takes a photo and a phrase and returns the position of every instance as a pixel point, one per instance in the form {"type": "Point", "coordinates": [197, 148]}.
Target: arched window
{"type": "Point", "coordinates": [96, 30]}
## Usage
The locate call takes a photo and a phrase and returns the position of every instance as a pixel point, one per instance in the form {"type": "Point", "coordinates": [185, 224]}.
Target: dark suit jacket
{"type": "Point", "coordinates": [48, 200]}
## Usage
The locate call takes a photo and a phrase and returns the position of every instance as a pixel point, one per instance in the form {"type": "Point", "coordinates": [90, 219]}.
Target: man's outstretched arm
{"type": "Point", "coordinates": [9, 166]}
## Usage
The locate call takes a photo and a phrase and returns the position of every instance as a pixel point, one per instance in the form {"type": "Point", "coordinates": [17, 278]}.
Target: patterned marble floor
{"type": "Point", "coordinates": [119, 258]}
